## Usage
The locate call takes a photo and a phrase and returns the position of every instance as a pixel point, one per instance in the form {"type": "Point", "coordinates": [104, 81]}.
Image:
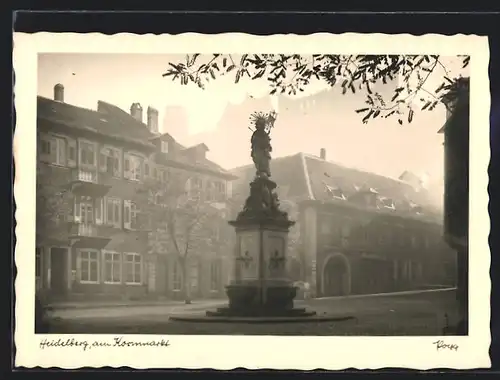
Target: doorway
{"type": "Point", "coordinates": [336, 276]}
{"type": "Point", "coordinates": [58, 269]}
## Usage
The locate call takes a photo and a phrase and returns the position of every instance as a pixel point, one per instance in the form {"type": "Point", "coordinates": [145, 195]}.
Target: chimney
{"type": "Point", "coordinates": [152, 120]}
{"type": "Point", "coordinates": [322, 153]}
{"type": "Point", "coordinates": [136, 111]}
{"type": "Point", "coordinates": [59, 93]}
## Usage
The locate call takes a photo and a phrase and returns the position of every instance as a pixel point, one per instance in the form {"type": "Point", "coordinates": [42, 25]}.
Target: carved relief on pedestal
{"type": "Point", "coordinates": [247, 259]}
{"type": "Point", "coordinates": [276, 260]}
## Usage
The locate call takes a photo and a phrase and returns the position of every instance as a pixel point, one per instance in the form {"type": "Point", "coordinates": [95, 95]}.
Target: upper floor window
{"type": "Point", "coordinates": [110, 161]}
{"type": "Point", "coordinates": [162, 175]}
{"type": "Point", "coordinates": [164, 146]}
{"type": "Point", "coordinates": [113, 212]}
{"type": "Point", "coordinates": [88, 153]}
{"type": "Point", "coordinates": [133, 165]}
{"type": "Point", "coordinates": [130, 215]}
{"type": "Point", "coordinates": [220, 188]}
{"type": "Point", "coordinates": [195, 186]}
{"type": "Point", "coordinates": [53, 150]}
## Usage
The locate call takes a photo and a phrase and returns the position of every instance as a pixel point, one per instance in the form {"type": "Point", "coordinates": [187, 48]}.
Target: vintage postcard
{"type": "Point", "coordinates": [222, 201]}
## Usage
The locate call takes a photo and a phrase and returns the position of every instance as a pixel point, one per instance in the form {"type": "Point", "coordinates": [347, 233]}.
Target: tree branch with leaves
{"type": "Point", "coordinates": [291, 73]}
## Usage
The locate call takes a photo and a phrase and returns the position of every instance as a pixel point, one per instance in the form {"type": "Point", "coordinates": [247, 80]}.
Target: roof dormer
{"type": "Point", "coordinates": [385, 203]}
{"type": "Point", "coordinates": [335, 192]}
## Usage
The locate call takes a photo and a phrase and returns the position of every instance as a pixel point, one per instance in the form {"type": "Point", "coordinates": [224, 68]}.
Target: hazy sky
{"type": "Point", "coordinates": [383, 146]}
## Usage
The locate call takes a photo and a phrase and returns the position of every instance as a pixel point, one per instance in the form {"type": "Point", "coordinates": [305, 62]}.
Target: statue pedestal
{"type": "Point", "coordinates": [261, 286]}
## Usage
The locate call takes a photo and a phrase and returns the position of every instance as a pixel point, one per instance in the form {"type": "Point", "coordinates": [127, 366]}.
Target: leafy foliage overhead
{"type": "Point", "coordinates": [290, 74]}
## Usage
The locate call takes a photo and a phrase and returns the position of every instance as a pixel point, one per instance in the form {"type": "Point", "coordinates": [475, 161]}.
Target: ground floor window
{"type": "Point", "coordinates": [177, 276]}
{"type": "Point", "coordinates": [112, 268]}
{"type": "Point", "coordinates": [215, 275]}
{"type": "Point", "coordinates": [133, 268]}
{"type": "Point", "coordinates": [89, 266]}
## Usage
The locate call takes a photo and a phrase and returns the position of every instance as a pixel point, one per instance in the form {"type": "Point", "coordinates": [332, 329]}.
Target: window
{"type": "Point", "coordinates": [162, 175]}
{"type": "Point", "coordinates": [89, 267]}
{"type": "Point", "coordinates": [215, 275]}
{"type": "Point", "coordinates": [164, 146]}
{"type": "Point", "coordinates": [38, 262]}
{"type": "Point", "coordinates": [220, 188]}
{"type": "Point", "coordinates": [112, 268]}
{"type": "Point", "coordinates": [325, 228]}
{"type": "Point", "coordinates": [193, 275]}
{"type": "Point", "coordinates": [84, 210]}
{"type": "Point", "coordinates": [146, 169]}
{"type": "Point", "coordinates": [197, 183]}
{"type": "Point", "coordinates": [88, 153]}
{"type": "Point", "coordinates": [130, 217]}
{"type": "Point", "coordinates": [113, 212]}
{"type": "Point", "coordinates": [177, 277]}
{"type": "Point", "coordinates": [413, 241]}
{"type": "Point", "coordinates": [53, 150]}
{"type": "Point", "coordinates": [98, 211]}
{"type": "Point", "coordinates": [110, 161]}
{"type": "Point", "coordinates": [133, 166]}
{"type": "Point", "coordinates": [133, 268]}
{"type": "Point", "coordinates": [72, 153]}
{"type": "Point", "coordinates": [210, 191]}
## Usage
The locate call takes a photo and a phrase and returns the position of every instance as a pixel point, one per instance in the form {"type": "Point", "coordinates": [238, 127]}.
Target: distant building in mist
{"type": "Point", "coordinates": [90, 242]}
{"type": "Point", "coordinates": [356, 232]}
{"type": "Point", "coordinates": [176, 123]}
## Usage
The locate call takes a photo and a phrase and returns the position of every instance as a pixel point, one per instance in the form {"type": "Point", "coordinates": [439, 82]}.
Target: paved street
{"type": "Point", "coordinates": [410, 314]}
{"type": "Point", "coordinates": [101, 313]}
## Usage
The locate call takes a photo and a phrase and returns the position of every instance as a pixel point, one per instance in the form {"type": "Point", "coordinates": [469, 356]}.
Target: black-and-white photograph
{"type": "Point", "coordinates": [252, 194]}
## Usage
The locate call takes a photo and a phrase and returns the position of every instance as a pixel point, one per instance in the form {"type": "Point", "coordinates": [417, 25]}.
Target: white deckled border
{"type": "Point", "coordinates": [227, 352]}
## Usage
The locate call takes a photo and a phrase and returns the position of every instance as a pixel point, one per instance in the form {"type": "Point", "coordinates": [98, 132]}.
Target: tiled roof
{"type": "Point", "coordinates": [309, 177]}
{"type": "Point", "coordinates": [93, 121]}
{"type": "Point", "coordinates": [112, 121]}
{"type": "Point", "coordinates": [350, 181]}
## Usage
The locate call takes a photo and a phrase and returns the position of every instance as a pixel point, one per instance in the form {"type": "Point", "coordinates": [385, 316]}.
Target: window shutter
{"type": "Point", "coordinates": [53, 150]}
{"type": "Point", "coordinates": [78, 216]}
{"type": "Point", "coordinates": [126, 217]}
{"type": "Point", "coordinates": [104, 212]}
{"type": "Point", "coordinates": [117, 163]}
{"type": "Point", "coordinates": [118, 213]}
{"type": "Point", "coordinates": [98, 211]}
{"type": "Point", "coordinates": [71, 153]}
{"type": "Point", "coordinates": [126, 171]}
{"type": "Point", "coordinates": [102, 160]}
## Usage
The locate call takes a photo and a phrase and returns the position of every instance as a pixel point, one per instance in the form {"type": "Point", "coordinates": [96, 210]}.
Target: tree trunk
{"type": "Point", "coordinates": [187, 282]}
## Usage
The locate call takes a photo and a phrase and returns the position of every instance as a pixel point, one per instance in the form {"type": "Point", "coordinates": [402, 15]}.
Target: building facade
{"type": "Point", "coordinates": [357, 232]}
{"type": "Point", "coordinates": [91, 241]}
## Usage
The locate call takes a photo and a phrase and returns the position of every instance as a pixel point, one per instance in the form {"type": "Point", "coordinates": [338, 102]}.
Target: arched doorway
{"type": "Point", "coordinates": [294, 270]}
{"type": "Point", "coordinates": [336, 276]}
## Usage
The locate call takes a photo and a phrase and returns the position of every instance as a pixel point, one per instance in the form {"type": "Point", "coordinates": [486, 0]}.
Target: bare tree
{"type": "Point", "coordinates": [176, 210]}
